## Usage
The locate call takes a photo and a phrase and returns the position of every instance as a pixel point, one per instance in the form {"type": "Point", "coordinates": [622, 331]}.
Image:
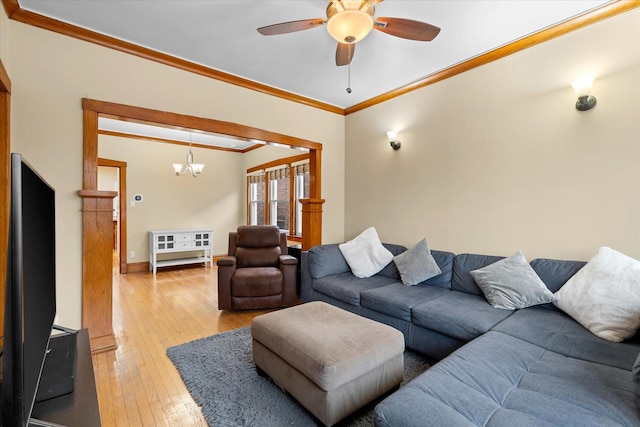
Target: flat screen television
{"type": "Point", "coordinates": [30, 304]}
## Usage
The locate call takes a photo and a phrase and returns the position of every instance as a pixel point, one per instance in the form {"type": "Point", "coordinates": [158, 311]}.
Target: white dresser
{"type": "Point", "coordinates": [175, 241]}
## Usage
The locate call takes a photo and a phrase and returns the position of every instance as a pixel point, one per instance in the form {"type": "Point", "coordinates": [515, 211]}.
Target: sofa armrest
{"type": "Point", "coordinates": [226, 268]}
{"type": "Point", "coordinates": [306, 282]}
{"type": "Point", "coordinates": [289, 269]}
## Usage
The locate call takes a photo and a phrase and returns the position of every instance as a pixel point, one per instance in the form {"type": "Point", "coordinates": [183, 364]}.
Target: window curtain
{"type": "Point", "coordinates": [301, 169]}
{"type": "Point", "coordinates": [256, 179]}
{"type": "Point", "coordinates": [279, 173]}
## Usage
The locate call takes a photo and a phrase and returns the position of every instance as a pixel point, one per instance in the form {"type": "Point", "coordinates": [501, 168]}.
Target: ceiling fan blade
{"type": "Point", "coordinates": [290, 27]}
{"type": "Point", "coordinates": [407, 28]}
{"type": "Point", "coordinates": [344, 53]}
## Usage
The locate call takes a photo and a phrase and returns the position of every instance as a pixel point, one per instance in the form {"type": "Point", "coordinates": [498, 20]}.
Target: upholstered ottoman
{"type": "Point", "coordinates": [332, 361]}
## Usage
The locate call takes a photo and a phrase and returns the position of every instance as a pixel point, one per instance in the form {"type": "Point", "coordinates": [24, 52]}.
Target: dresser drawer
{"type": "Point", "coordinates": [184, 237]}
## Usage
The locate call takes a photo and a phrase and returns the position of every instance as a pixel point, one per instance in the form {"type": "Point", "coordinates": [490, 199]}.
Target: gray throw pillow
{"type": "Point", "coordinates": [511, 283]}
{"type": "Point", "coordinates": [417, 264]}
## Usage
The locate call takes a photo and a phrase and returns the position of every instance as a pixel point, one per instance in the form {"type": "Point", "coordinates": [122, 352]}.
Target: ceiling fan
{"type": "Point", "coordinates": [349, 21]}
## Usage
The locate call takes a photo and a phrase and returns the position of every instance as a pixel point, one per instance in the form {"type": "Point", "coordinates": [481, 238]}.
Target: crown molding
{"type": "Point", "coordinates": [608, 10]}
{"type": "Point", "coordinates": [605, 11]}
{"type": "Point", "coordinates": [16, 13]}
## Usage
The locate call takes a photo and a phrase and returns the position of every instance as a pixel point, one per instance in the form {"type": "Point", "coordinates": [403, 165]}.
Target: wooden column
{"type": "Point", "coordinates": [311, 223]}
{"type": "Point", "coordinates": [97, 295]}
{"type": "Point", "coordinates": [5, 179]}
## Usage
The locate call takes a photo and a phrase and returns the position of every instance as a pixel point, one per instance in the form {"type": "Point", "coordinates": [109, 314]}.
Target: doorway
{"type": "Point", "coordinates": [112, 176]}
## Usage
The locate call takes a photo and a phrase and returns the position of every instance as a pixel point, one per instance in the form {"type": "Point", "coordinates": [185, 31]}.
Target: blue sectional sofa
{"type": "Point", "coordinates": [529, 367]}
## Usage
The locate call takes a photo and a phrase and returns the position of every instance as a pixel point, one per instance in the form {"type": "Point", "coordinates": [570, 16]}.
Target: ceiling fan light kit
{"type": "Point", "coordinates": [349, 21]}
{"type": "Point", "coordinates": [351, 24]}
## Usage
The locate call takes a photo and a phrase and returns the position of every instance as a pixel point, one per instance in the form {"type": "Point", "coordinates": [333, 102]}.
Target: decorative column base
{"type": "Point", "coordinates": [97, 280]}
{"type": "Point", "coordinates": [311, 223]}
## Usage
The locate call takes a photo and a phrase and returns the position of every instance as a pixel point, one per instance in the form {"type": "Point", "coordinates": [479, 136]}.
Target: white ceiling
{"type": "Point", "coordinates": [222, 35]}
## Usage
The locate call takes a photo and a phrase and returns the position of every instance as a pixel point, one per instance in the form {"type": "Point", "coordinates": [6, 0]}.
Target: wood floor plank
{"type": "Point", "coordinates": [137, 384]}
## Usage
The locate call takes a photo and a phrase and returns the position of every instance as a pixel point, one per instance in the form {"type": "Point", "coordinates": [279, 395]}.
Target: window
{"type": "Point", "coordinates": [279, 196]}
{"type": "Point", "coordinates": [256, 196]}
{"type": "Point", "coordinates": [274, 191]}
{"type": "Point", "coordinates": [301, 190]}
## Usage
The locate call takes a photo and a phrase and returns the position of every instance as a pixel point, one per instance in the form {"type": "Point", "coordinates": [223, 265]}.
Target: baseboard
{"type": "Point", "coordinates": [103, 343]}
{"type": "Point", "coordinates": [137, 267]}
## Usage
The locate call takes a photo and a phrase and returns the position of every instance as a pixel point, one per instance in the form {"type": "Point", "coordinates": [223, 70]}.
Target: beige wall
{"type": "Point", "coordinates": [51, 73]}
{"type": "Point", "coordinates": [216, 199]}
{"type": "Point", "coordinates": [4, 39]}
{"type": "Point", "coordinates": [498, 159]}
{"type": "Point", "coordinates": [213, 200]}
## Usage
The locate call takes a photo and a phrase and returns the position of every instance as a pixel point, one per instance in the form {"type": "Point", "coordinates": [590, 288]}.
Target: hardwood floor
{"type": "Point", "coordinates": [137, 383]}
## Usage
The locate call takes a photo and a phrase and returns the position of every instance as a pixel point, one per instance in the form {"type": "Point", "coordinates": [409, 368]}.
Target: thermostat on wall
{"type": "Point", "coordinates": [138, 197]}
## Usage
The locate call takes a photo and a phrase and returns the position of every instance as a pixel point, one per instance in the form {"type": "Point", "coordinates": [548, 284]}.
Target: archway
{"type": "Point", "coordinates": [97, 205]}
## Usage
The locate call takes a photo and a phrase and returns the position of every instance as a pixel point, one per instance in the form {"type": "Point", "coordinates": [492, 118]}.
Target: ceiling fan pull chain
{"type": "Point", "coordinates": [349, 78]}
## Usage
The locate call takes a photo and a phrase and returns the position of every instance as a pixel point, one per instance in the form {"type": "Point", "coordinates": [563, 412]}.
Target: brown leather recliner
{"type": "Point", "coordinates": [257, 273]}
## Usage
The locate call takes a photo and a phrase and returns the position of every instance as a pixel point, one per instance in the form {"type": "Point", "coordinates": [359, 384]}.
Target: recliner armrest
{"type": "Point", "coordinates": [226, 268]}
{"type": "Point", "coordinates": [226, 261]}
{"type": "Point", "coordinates": [288, 260]}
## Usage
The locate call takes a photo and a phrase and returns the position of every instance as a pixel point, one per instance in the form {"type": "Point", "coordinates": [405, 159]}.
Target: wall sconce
{"type": "Point", "coordinates": [582, 87]}
{"type": "Point", "coordinates": [393, 139]}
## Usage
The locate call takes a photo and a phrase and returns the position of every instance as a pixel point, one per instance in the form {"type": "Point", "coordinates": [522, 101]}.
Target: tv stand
{"type": "Point", "coordinates": [79, 408]}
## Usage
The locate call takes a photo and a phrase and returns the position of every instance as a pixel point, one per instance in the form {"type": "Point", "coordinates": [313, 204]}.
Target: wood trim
{"type": "Point", "coordinates": [5, 187]}
{"type": "Point", "coordinates": [5, 81]}
{"type": "Point", "coordinates": [27, 17]}
{"type": "Point", "coordinates": [90, 151]}
{"type": "Point", "coordinates": [193, 122]}
{"type": "Point", "coordinates": [10, 6]}
{"type": "Point", "coordinates": [588, 18]}
{"type": "Point", "coordinates": [315, 174]}
{"type": "Point", "coordinates": [122, 205]}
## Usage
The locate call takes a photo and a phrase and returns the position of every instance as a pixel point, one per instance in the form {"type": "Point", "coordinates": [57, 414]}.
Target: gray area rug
{"type": "Point", "coordinates": [221, 377]}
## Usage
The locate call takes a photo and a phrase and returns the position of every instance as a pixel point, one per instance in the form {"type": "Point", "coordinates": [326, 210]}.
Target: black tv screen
{"type": "Point", "coordinates": [30, 305]}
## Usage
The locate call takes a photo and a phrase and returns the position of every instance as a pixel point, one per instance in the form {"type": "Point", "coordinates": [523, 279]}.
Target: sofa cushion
{"type": "Point", "coordinates": [445, 262]}
{"type": "Point", "coordinates": [499, 380]}
{"type": "Point", "coordinates": [604, 296]}
{"type": "Point", "coordinates": [391, 270]}
{"type": "Point", "coordinates": [365, 253]}
{"type": "Point", "coordinates": [256, 282]}
{"type": "Point", "coordinates": [458, 314]}
{"type": "Point", "coordinates": [347, 288]}
{"type": "Point", "coordinates": [397, 299]}
{"type": "Point", "coordinates": [636, 379]}
{"type": "Point", "coordinates": [416, 264]}
{"type": "Point", "coordinates": [554, 330]}
{"type": "Point", "coordinates": [512, 284]}
{"type": "Point", "coordinates": [462, 265]}
{"type": "Point", "coordinates": [326, 260]}
{"type": "Point", "coordinates": [554, 272]}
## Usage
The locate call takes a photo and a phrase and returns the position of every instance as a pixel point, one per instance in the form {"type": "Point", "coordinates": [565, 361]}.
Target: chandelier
{"type": "Point", "coordinates": [194, 168]}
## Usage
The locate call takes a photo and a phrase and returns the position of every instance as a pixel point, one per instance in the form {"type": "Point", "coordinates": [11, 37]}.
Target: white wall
{"type": "Point", "coordinates": [50, 75]}
{"type": "Point", "coordinates": [498, 159]}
